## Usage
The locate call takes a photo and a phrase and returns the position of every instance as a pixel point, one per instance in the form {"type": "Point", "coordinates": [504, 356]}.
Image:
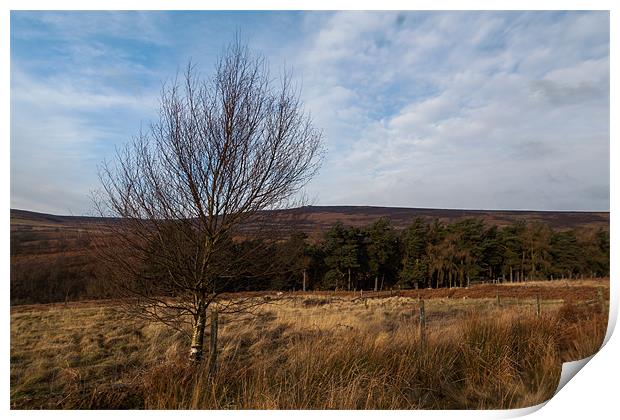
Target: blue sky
{"type": "Point", "coordinates": [502, 110]}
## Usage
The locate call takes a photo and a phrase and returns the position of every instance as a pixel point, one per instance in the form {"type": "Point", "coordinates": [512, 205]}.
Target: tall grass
{"type": "Point", "coordinates": [481, 362]}
{"type": "Point", "coordinates": [337, 355]}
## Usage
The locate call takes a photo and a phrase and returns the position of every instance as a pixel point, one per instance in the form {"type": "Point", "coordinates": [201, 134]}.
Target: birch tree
{"type": "Point", "coordinates": [223, 150]}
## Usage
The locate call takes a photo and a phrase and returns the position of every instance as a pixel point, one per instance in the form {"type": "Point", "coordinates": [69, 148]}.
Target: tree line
{"type": "Point", "coordinates": [438, 255]}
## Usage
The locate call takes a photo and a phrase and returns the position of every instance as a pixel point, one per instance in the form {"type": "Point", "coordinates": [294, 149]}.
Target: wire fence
{"type": "Point", "coordinates": [316, 307]}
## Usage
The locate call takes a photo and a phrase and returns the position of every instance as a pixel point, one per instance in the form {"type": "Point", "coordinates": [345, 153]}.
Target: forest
{"type": "Point", "coordinates": [442, 255]}
{"type": "Point", "coordinates": [376, 257]}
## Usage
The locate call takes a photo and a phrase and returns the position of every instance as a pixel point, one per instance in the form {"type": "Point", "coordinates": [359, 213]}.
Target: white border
{"type": "Point", "coordinates": [592, 394]}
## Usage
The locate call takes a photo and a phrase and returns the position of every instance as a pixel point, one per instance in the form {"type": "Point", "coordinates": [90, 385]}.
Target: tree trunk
{"type": "Point", "coordinates": [533, 263]}
{"type": "Point", "coordinates": [196, 351]}
{"type": "Point", "coordinates": [304, 282]}
{"type": "Point", "coordinates": [376, 282]}
{"type": "Point", "coordinates": [349, 285]}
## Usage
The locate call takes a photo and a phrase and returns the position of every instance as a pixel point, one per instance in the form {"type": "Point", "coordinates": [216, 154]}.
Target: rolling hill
{"type": "Point", "coordinates": [316, 219]}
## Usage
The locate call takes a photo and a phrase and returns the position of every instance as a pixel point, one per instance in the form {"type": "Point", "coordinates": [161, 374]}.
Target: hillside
{"type": "Point", "coordinates": [39, 233]}
{"type": "Point", "coordinates": [313, 218]}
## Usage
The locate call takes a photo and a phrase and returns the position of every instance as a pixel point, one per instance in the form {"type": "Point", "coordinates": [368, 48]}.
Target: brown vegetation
{"type": "Point", "coordinates": [311, 350]}
{"type": "Point", "coordinates": [52, 256]}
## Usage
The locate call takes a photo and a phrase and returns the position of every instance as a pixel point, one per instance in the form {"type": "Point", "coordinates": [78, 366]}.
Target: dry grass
{"type": "Point", "coordinates": [306, 352]}
{"type": "Point", "coordinates": [572, 283]}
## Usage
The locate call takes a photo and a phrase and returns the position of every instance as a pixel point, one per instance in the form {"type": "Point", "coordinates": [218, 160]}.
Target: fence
{"type": "Point", "coordinates": [418, 305]}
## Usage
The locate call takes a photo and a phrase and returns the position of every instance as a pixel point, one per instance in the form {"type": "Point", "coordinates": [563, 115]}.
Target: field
{"type": "Point", "coordinates": [483, 347]}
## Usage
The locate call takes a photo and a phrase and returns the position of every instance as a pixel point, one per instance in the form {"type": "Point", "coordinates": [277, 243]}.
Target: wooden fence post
{"type": "Point", "coordinates": [422, 322]}
{"type": "Point", "coordinates": [213, 344]}
{"type": "Point", "coordinates": [538, 305]}
{"type": "Point", "coordinates": [601, 300]}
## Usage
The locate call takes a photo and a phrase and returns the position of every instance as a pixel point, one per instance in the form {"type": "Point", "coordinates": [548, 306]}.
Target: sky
{"type": "Point", "coordinates": [472, 110]}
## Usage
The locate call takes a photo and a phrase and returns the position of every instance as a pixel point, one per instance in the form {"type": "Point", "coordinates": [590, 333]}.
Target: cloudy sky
{"type": "Point", "coordinates": [474, 110]}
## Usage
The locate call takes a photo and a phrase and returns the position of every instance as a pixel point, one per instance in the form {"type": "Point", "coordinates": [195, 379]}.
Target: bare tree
{"type": "Point", "coordinates": [222, 151]}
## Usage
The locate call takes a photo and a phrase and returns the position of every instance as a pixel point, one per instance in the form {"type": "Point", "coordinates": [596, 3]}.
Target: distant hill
{"type": "Point", "coordinates": [311, 219]}
{"type": "Point", "coordinates": [321, 217]}
{"type": "Point", "coordinates": [36, 234]}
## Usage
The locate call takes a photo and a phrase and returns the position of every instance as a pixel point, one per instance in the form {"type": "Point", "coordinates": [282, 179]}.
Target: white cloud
{"type": "Point", "coordinates": [77, 26]}
{"type": "Point", "coordinates": [510, 101]}
{"type": "Point", "coordinates": [470, 110]}
{"type": "Point", "coordinates": [63, 92]}
{"type": "Point", "coordinates": [60, 132]}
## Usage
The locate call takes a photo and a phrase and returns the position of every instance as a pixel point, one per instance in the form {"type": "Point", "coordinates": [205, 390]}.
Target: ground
{"type": "Point", "coordinates": [316, 350]}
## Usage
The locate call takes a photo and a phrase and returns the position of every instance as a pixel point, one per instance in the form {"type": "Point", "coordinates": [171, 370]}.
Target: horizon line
{"type": "Point", "coordinates": [364, 206]}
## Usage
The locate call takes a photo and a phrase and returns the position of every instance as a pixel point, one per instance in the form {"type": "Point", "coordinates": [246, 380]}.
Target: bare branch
{"type": "Point", "coordinates": [222, 151]}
